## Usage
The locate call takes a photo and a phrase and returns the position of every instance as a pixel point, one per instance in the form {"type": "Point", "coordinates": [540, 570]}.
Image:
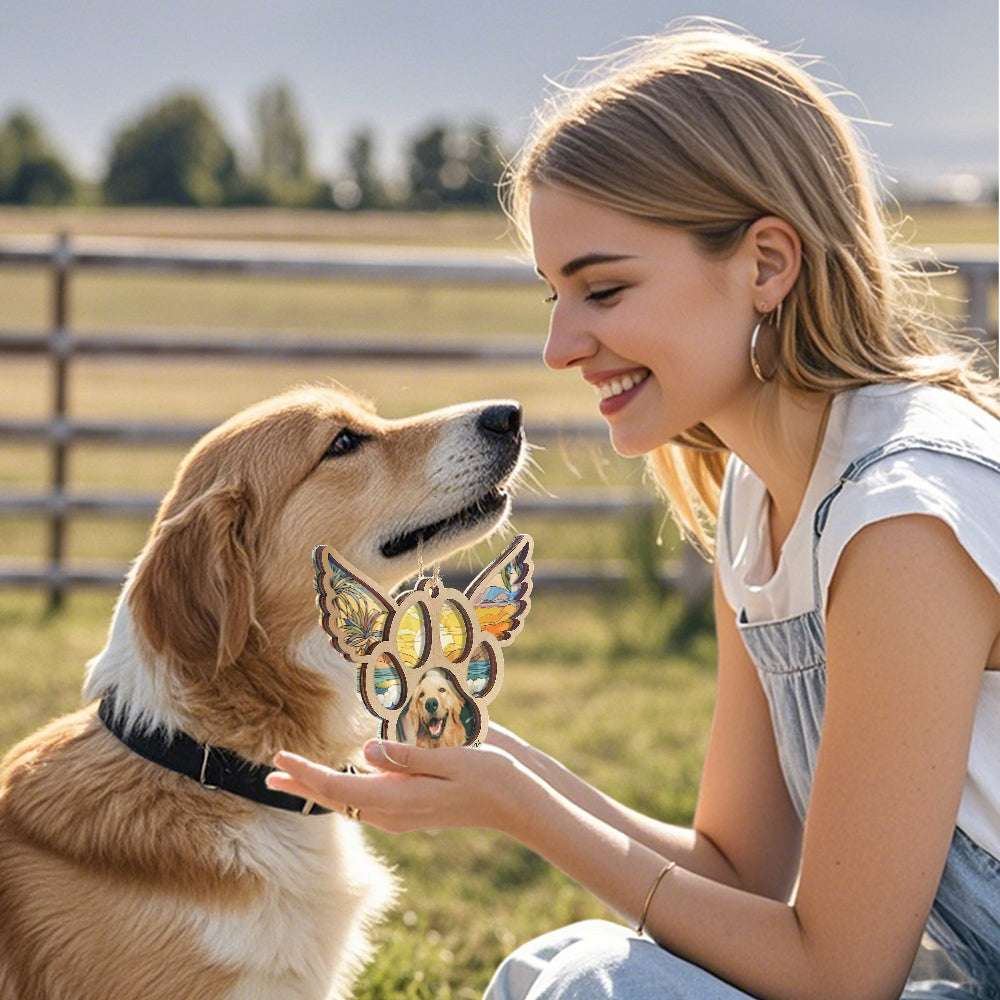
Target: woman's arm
{"type": "Point", "coordinates": [667, 840]}
{"type": "Point", "coordinates": [745, 833]}
{"type": "Point", "coordinates": [743, 803]}
{"type": "Point", "coordinates": [910, 625]}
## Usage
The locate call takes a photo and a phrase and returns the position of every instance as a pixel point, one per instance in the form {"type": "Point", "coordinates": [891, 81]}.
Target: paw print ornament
{"type": "Point", "coordinates": [429, 661]}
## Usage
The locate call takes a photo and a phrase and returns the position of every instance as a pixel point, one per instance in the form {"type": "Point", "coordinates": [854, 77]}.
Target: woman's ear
{"type": "Point", "coordinates": [777, 254]}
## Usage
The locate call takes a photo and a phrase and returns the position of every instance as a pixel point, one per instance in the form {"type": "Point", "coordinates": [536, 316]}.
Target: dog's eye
{"type": "Point", "coordinates": [344, 443]}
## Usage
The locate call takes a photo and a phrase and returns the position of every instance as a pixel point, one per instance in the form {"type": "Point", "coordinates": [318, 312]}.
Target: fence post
{"type": "Point", "coordinates": [59, 349]}
{"type": "Point", "coordinates": [979, 281]}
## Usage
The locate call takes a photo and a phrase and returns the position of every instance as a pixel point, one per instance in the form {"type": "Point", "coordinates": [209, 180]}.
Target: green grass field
{"type": "Point", "coordinates": [610, 687]}
{"type": "Point", "coordinates": [618, 685]}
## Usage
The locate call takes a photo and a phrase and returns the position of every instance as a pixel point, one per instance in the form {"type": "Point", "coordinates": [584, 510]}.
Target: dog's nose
{"type": "Point", "coordinates": [432, 705]}
{"type": "Point", "coordinates": [502, 419]}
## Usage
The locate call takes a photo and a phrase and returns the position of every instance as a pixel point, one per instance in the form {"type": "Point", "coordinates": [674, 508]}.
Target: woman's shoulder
{"type": "Point", "coordinates": [914, 415]}
{"type": "Point", "coordinates": [917, 447]}
{"type": "Point", "coordinates": [890, 449]}
{"type": "Point", "coordinates": [917, 450]}
{"type": "Point", "coordinates": [872, 421]}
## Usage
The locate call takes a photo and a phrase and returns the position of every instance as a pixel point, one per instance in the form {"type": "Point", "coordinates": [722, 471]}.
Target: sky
{"type": "Point", "coordinates": [927, 69]}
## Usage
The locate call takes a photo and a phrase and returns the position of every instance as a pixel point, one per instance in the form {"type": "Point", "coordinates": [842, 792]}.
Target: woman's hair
{"type": "Point", "coordinates": [707, 130]}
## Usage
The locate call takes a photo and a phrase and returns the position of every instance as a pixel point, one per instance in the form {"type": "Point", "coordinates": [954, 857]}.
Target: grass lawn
{"type": "Point", "coordinates": [614, 687]}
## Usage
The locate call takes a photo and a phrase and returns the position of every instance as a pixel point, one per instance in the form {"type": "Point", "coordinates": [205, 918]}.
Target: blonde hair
{"type": "Point", "coordinates": [708, 130]}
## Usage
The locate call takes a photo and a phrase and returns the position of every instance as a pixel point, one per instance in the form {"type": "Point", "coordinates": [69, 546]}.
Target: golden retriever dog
{"type": "Point", "coordinates": [141, 854]}
{"type": "Point", "coordinates": [433, 717]}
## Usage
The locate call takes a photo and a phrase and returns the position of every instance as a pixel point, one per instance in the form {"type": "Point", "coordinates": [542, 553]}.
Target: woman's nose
{"type": "Point", "coordinates": [568, 342]}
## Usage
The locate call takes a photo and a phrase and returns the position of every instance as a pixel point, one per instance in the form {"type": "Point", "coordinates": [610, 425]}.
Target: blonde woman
{"type": "Point", "coordinates": [720, 273]}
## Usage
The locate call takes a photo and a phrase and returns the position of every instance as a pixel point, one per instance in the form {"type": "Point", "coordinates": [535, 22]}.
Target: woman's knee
{"type": "Point", "coordinates": [596, 960]}
{"type": "Point", "coordinates": [516, 976]}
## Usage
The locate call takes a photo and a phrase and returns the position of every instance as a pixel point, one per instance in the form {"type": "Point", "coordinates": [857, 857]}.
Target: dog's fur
{"type": "Point", "coordinates": [436, 699]}
{"type": "Point", "coordinates": [121, 879]}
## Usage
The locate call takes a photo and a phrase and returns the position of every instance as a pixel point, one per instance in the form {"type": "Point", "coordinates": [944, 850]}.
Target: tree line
{"type": "Point", "coordinates": [175, 152]}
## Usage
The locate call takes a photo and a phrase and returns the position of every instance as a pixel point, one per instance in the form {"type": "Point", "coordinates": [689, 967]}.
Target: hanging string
{"type": "Point", "coordinates": [436, 569]}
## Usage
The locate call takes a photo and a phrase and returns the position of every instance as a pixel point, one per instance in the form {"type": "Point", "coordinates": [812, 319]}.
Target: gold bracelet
{"type": "Point", "coordinates": [668, 867]}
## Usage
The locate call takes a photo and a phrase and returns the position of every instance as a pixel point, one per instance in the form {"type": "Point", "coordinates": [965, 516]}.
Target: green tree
{"type": "Point", "coordinates": [174, 154]}
{"type": "Point", "coordinates": [282, 148]}
{"type": "Point", "coordinates": [281, 139]}
{"type": "Point", "coordinates": [361, 187]}
{"type": "Point", "coordinates": [454, 166]}
{"type": "Point", "coordinates": [485, 163]}
{"type": "Point", "coordinates": [31, 173]}
{"type": "Point", "coordinates": [427, 158]}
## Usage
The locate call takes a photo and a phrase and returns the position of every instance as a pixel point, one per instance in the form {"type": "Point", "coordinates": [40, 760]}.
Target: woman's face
{"type": "Point", "coordinates": [660, 329]}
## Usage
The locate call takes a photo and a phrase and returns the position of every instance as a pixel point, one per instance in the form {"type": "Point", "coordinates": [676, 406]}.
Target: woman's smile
{"type": "Point", "coordinates": [617, 389]}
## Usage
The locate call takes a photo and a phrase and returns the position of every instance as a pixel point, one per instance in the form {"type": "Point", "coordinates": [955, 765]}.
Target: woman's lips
{"type": "Point", "coordinates": [618, 389]}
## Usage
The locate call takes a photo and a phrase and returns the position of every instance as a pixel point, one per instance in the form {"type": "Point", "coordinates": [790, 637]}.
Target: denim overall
{"type": "Point", "coordinates": [790, 656]}
{"type": "Point", "coordinates": [598, 960]}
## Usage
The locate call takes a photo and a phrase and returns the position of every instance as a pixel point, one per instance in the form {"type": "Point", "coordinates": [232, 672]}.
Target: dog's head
{"type": "Point", "coordinates": [436, 710]}
{"type": "Point", "coordinates": [229, 553]}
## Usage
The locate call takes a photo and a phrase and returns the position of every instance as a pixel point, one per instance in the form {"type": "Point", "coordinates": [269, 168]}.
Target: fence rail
{"type": "Point", "coordinates": [60, 431]}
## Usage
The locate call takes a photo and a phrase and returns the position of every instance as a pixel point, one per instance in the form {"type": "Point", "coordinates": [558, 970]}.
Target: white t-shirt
{"type": "Point", "coordinates": [964, 494]}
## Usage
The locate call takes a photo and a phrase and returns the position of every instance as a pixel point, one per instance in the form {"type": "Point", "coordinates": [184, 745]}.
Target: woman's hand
{"type": "Point", "coordinates": [410, 788]}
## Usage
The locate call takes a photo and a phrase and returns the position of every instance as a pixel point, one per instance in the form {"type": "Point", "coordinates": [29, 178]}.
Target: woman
{"type": "Point", "coordinates": [721, 275]}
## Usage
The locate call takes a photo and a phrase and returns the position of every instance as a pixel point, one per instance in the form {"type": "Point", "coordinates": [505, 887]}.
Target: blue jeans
{"type": "Point", "coordinates": [597, 960]}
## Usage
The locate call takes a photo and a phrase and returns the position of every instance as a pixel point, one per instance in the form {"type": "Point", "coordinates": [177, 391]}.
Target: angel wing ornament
{"type": "Point", "coordinates": [429, 661]}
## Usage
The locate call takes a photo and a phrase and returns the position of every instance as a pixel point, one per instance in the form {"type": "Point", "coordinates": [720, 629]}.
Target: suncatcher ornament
{"type": "Point", "coordinates": [429, 661]}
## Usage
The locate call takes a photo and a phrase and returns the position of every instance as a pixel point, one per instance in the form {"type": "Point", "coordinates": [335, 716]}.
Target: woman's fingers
{"type": "Point", "coordinates": [299, 776]}
{"type": "Point", "coordinates": [337, 789]}
{"type": "Point", "coordinates": [504, 739]}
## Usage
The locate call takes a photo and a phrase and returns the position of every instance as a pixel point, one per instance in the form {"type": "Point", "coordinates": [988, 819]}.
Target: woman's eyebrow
{"type": "Point", "coordinates": [588, 260]}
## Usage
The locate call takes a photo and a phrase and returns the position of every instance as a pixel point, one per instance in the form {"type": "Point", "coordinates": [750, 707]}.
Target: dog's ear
{"type": "Point", "coordinates": [192, 595]}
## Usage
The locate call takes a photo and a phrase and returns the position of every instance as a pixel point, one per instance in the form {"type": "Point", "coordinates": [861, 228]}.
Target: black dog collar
{"type": "Point", "coordinates": [211, 767]}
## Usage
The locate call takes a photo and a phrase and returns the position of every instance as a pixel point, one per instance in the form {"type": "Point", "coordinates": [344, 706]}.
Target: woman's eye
{"type": "Point", "coordinates": [344, 443]}
{"type": "Point", "coordinates": [598, 295]}
{"type": "Point", "coordinates": [602, 294]}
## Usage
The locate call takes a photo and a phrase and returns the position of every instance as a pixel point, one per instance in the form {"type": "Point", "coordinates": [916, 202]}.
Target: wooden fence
{"type": "Point", "coordinates": [59, 431]}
